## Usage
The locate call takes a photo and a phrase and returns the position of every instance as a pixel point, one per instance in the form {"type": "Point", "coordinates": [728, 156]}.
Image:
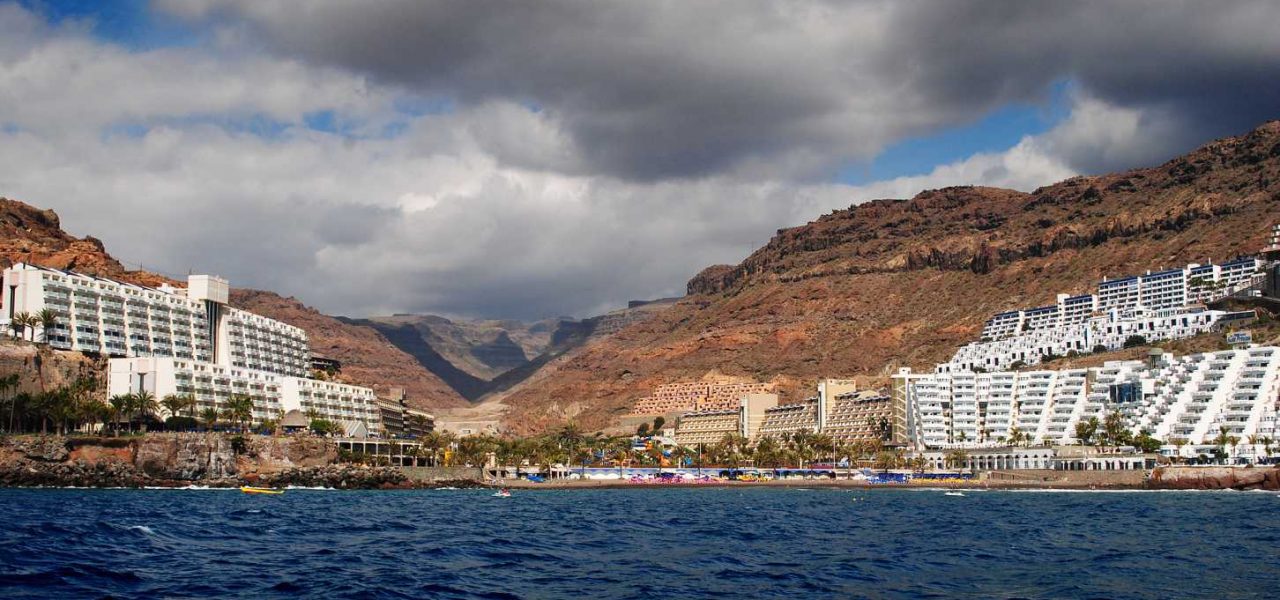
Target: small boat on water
{"type": "Point", "coordinates": [259, 490]}
{"type": "Point", "coordinates": [953, 494]}
{"type": "Point", "coordinates": [502, 493]}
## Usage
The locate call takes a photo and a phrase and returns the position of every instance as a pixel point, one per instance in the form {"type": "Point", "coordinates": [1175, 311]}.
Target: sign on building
{"type": "Point", "coordinates": [1240, 338]}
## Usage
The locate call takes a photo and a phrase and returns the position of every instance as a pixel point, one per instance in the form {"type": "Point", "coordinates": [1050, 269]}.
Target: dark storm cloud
{"type": "Point", "coordinates": [1208, 67]}
{"type": "Point", "coordinates": [672, 89]}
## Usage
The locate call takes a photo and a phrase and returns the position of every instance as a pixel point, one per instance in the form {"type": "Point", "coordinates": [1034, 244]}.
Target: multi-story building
{"type": "Point", "coordinates": [839, 410]}
{"type": "Point", "coordinates": [1168, 289]}
{"type": "Point", "coordinates": [790, 418]}
{"type": "Point", "coordinates": [859, 416]}
{"type": "Point", "coordinates": [170, 340]}
{"type": "Point", "coordinates": [710, 426]}
{"type": "Point", "coordinates": [122, 320]}
{"type": "Point", "coordinates": [401, 421]}
{"type": "Point", "coordinates": [1110, 332]}
{"type": "Point", "coordinates": [1190, 398]}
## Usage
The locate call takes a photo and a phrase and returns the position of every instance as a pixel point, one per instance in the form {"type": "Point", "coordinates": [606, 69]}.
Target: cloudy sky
{"type": "Point", "coordinates": [533, 159]}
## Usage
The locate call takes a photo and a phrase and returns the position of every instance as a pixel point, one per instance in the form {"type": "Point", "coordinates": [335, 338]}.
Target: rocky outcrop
{"type": "Point", "coordinates": [32, 235]}
{"type": "Point", "coordinates": [177, 460]}
{"type": "Point", "coordinates": [340, 477]}
{"type": "Point", "coordinates": [1215, 478]}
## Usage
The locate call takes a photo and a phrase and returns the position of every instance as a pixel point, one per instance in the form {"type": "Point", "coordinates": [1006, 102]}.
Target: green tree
{"type": "Point", "coordinates": [48, 319]}
{"type": "Point", "coordinates": [1086, 430]}
{"type": "Point", "coordinates": [239, 410]}
{"type": "Point", "coordinates": [120, 405]}
{"type": "Point", "coordinates": [210, 418]}
{"type": "Point", "coordinates": [1134, 341]}
{"type": "Point", "coordinates": [143, 406]}
{"type": "Point", "coordinates": [1145, 442]}
{"type": "Point", "coordinates": [20, 322]}
{"type": "Point", "coordinates": [1113, 430]}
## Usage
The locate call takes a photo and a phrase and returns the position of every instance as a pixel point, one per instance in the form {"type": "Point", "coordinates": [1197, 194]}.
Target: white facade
{"type": "Point", "coordinates": [1171, 289]}
{"type": "Point", "coordinates": [273, 395]}
{"type": "Point", "coordinates": [1190, 398]}
{"type": "Point", "coordinates": [1110, 331]}
{"type": "Point", "coordinates": [185, 341]}
{"type": "Point", "coordinates": [119, 320]}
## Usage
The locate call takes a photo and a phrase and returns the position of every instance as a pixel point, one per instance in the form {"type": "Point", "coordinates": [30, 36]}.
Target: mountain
{"type": "Point", "coordinates": [893, 283]}
{"type": "Point", "coordinates": [481, 357]}
{"type": "Point", "coordinates": [28, 234]}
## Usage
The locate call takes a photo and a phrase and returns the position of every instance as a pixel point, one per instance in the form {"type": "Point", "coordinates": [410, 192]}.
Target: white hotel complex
{"type": "Point", "coordinates": [1172, 289]}
{"type": "Point", "coordinates": [1155, 306]}
{"type": "Point", "coordinates": [1189, 398]}
{"type": "Point", "coordinates": [170, 340]}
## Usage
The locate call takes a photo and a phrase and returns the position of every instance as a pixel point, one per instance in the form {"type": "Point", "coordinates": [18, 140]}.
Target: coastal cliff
{"type": "Point", "coordinates": [178, 460]}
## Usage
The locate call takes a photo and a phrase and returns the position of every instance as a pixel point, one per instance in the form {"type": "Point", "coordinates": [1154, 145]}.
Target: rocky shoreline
{"type": "Point", "coordinates": [183, 460]}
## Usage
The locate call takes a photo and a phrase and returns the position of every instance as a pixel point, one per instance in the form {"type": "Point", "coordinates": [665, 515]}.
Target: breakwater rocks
{"type": "Point", "coordinates": [1215, 478]}
{"type": "Point", "coordinates": [343, 477]}
{"type": "Point", "coordinates": [179, 460]}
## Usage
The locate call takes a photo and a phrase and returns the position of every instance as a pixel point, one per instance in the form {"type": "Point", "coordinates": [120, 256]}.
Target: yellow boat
{"type": "Point", "coordinates": [257, 490]}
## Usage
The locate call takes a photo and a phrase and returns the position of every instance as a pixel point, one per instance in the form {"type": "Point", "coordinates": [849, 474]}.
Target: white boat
{"type": "Point", "coordinates": [953, 494]}
{"type": "Point", "coordinates": [502, 494]}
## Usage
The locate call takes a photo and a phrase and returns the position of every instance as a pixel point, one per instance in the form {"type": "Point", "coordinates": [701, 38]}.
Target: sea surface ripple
{"type": "Point", "coordinates": [644, 543]}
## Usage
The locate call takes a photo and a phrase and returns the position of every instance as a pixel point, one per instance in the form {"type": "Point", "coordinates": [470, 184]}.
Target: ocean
{"type": "Point", "coordinates": [642, 543]}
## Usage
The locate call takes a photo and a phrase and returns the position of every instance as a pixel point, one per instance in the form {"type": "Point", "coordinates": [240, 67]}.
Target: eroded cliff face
{"type": "Point", "coordinates": [174, 460]}
{"type": "Point", "coordinates": [40, 368]}
{"type": "Point", "coordinates": [890, 283]}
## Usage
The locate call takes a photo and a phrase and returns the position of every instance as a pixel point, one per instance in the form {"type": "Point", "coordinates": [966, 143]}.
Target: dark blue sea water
{"type": "Point", "coordinates": [644, 543]}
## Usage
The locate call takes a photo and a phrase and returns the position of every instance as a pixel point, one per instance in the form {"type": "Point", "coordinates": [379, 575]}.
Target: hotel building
{"type": "Point", "coordinates": [839, 410]}
{"type": "Point", "coordinates": [1190, 397]}
{"type": "Point", "coordinates": [1110, 332]}
{"type": "Point", "coordinates": [170, 340]}
{"type": "Point", "coordinates": [710, 426]}
{"type": "Point", "coordinates": [1113, 298]}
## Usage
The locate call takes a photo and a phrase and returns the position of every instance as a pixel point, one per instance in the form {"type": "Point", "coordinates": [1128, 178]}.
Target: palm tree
{"type": "Point", "coordinates": [732, 446]}
{"type": "Point", "coordinates": [239, 410]}
{"type": "Point", "coordinates": [16, 324]}
{"type": "Point", "coordinates": [210, 417]}
{"type": "Point", "coordinates": [47, 320]}
{"type": "Point", "coordinates": [173, 404]}
{"type": "Point", "coordinates": [144, 406]}
{"type": "Point", "coordinates": [119, 406]}
{"type": "Point", "coordinates": [19, 323]}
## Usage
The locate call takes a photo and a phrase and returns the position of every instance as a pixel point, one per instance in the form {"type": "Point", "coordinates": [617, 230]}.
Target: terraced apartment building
{"type": "Point", "coordinates": [1191, 398]}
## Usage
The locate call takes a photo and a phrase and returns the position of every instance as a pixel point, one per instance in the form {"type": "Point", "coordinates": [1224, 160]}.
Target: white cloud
{"type": "Point", "coordinates": [491, 207]}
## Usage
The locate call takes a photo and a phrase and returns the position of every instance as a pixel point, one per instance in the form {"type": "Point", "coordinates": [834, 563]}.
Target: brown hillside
{"type": "Point", "coordinates": [904, 282]}
{"type": "Point", "coordinates": [28, 234]}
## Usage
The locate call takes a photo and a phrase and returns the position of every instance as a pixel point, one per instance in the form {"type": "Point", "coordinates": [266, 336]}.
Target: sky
{"type": "Point", "coordinates": [536, 159]}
